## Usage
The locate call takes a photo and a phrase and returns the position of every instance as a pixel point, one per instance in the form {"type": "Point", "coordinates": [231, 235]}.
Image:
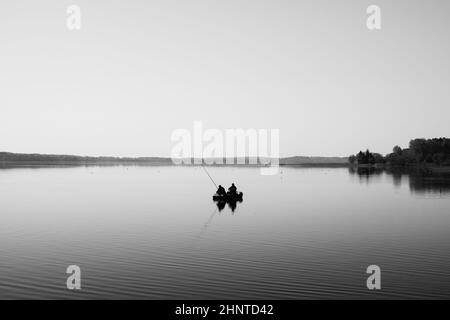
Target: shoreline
{"type": "Point", "coordinates": [19, 164]}
{"type": "Point", "coordinates": [420, 167]}
{"type": "Point", "coordinates": [105, 163]}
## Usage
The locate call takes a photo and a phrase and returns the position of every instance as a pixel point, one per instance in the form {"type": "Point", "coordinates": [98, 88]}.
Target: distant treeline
{"type": "Point", "coordinates": [51, 158]}
{"type": "Point", "coordinates": [22, 158]}
{"type": "Point", "coordinates": [421, 151]}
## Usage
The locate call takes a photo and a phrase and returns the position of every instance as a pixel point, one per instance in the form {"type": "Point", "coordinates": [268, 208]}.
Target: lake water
{"type": "Point", "coordinates": [155, 233]}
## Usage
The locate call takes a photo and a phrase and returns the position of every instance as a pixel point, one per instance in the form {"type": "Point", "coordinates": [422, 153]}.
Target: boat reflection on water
{"type": "Point", "coordinates": [232, 204]}
{"type": "Point", "coordinates": [230, 198]}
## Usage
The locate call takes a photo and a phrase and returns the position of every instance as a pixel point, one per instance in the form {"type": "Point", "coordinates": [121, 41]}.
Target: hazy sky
{"type": "Point", "coordinates": [137, 70]}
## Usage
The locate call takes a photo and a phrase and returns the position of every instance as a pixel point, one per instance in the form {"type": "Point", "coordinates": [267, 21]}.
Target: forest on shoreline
{"type": "Point", "coordinates": [434, 152]}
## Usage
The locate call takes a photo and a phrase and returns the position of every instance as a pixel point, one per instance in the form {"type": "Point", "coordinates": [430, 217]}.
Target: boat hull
{"type": "Point", "coordinates": [237, 197]}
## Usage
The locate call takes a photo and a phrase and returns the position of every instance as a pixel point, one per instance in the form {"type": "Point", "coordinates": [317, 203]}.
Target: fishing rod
{"type": "Point", "coordinates": [209, 175]}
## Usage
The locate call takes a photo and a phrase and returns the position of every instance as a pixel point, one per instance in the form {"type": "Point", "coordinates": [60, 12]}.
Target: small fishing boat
{"type": "Point", "coordinates": [228, 197]}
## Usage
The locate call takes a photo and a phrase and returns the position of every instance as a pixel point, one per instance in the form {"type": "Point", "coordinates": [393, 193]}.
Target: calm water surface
{"type": "Point", "coordinates": [154, 233]}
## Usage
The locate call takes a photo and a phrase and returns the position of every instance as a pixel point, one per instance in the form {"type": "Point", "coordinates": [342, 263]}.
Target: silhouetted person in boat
{"type": "Point", "coordinates": [221, 191]}
{"type": "Point", "coordinates": [232, 190]}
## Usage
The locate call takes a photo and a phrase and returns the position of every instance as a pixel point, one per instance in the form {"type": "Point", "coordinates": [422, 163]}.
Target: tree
{"type": "Point", "coordinates": [397, 150]}
{"type": "Point", "coordinates": [378, 158]}
{"type": "Point", "coordinates": [352, 159]}
{"type": "Point", "coordinates": [361, 158]}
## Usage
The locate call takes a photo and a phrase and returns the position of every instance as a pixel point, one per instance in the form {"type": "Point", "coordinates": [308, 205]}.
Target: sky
{"type": "Point", "coordinates": [138, 70]}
